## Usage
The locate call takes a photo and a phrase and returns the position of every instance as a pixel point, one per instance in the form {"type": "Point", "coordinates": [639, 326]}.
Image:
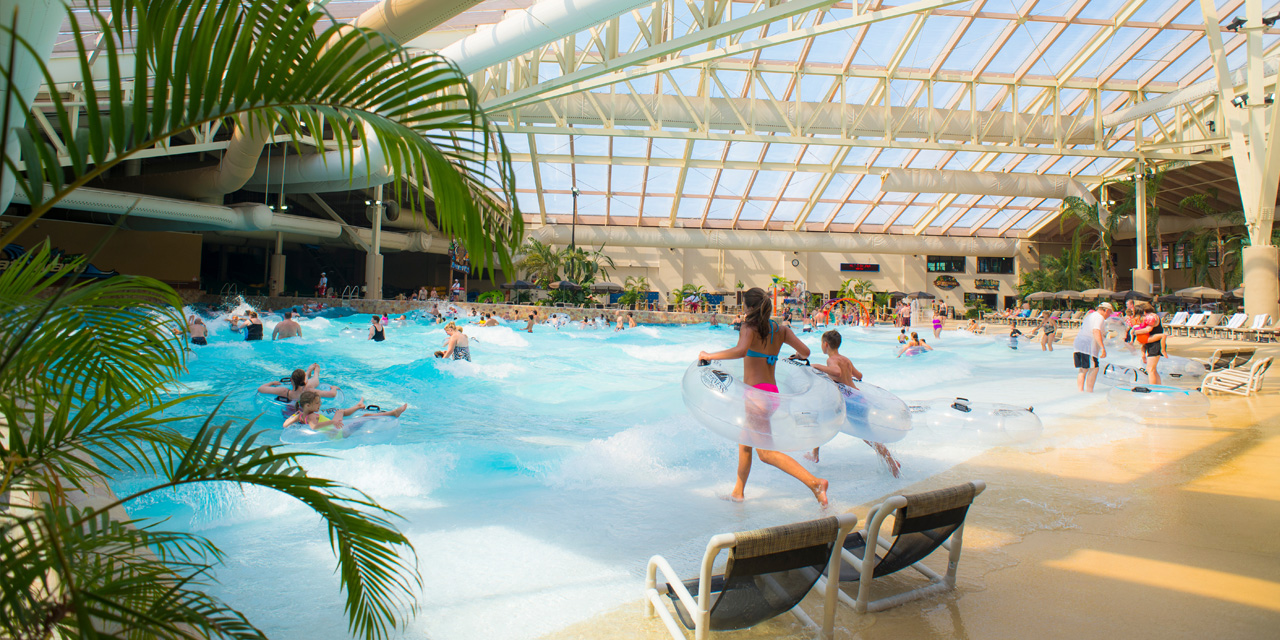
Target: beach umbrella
{"type": "Point", "coordinates": [1068, 295]}
{"type": "Point", "coordinates": [1176, 299]}
{"type": "Point", "coordinates": [1201, 293]}
{"type": "Point", "coordinates": [1093, 294]}
{"type": "Point", "coordinates": [606, 287]}
{"type": "Point", "coordinates": [518, 284]}
{"type": "Point", "coordinates": [921, 295]}
{"type": "Point", "coordinates": [1131, 295]}
{"type": "Point", "coordinates": [1039, 295]}
{"type": "Point", "coordinates": [565, 285]}
{"type": "Point", "coordinates": [896, 294]}
{"type": "Point", "coordinates": [1238, 293]}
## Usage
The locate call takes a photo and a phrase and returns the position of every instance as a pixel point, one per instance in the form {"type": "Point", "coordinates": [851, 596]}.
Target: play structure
{"type": "Point", "coordinates": [866, 308]}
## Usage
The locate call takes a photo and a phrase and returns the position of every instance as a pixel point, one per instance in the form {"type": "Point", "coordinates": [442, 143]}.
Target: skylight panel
{"type": "Point", "coordinates": [516, 142]}
{"type": "Point", "coordinates": [802, 185]}
{"type": "Point", "coordinates": [929, 45]}
{"type": "Point", "coordinates": [698, 181]}
{"type": "Point", "coordinates": [912, 214]}
{"type": "Point", "coordinates": [788, 153]}
{"type": "Point", "coordinates": [733, 182]}
{"type": "Point", "coordinates": [591, 146]}
{"type": "Point", "coordinates": [928, 159]}
{"type": "Point", "coordinates": [754, 210]}
{"type": "Point", "coordinates": [657, 206]}
{"type": "Point", "coordinates": [768, 184]}
{"type": "Point", "coordinates": [831, 48]}
{"type": "Point", "coordinates": [558, 203]}
{"type": "Point", "coordinates": [962, 161]}
{"type": "Point", "coordinates": [1002, 217]}
{"type": "Point", "coordinates": [882, 40]}
{"type": "Point", "coordinates": [662, 179]}
{"type": "Point", "coordinates": [969, 219]}
{"type": "Point", "coordinates": [776, 82]}
{"type": "Point", "coordinates": [892, 158]}
{"type": "Point", "coordinates": [733, 81]}
{"type": "Point", "coordinates": [786, 211]}
{"type": "Point", "coordinates": [552, 144]}
{"type": "Point", "coordinates": [708, 150]}
{"type": "Point", "coordinates": [1030, 220]}
{"type": "Point", "coordinates": [625, 206]}
{"type": "Point", "coordinates": [1110, 51]}
{"type": "Point", "coordinates": [944, 217]}
{"type": "Point", "coordinates": [690, 208]}
{"type": "Point", "coordinates": [877, 216]}
{"type": "Point", "coordinates": [849, 213]}
{"type": "Point", "coordinates": [975, 43]}
{"type": "Point", "coordinates": [902, 93]}
{"type": "Point", "coordinates": [1067, 47]}
{"type": "Point", "coordinates": [591, 177]}
{"type": "Point", "coordinates": [749, 151]}
{"type": "Point", "coordinates": [857, 90]}
{"type": "Point", "coordinates": [625, 178]}
{"type": "Point", "coordinates": [528, 201]}
{"type": "Point", "coordinates": [668, 148]}
{"type": "Point", "coordinates": [555, 176]}
{"type": "Point", "coordinates": [821, 211]}
{"type": "Point", "coordinates": [838, 186]}
{"type": "Point", "coordinates": [819, 154]}
{"type": "Point", "coordinates": [524, 174]}
{"type": "Point", "coordinates": [814, 88]}
{"type": "Point", "coordinates": [723, 208]}
{"type": "Point", "coordinates": [630, 147]}
{"type": "Point", "coordinates": [1020, 47]}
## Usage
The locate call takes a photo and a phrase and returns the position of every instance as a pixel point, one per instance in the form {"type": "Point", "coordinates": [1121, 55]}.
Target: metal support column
{"type": "Point", "coordinates": [373, 257]}
{"type": "Point", "coordinates": [1143, 278]}
{"type": "Point", "coordinates": [275, 281]}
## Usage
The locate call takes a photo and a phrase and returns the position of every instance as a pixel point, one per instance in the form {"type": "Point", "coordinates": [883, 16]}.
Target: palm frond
{"type": "Point", "coordinates": [287, 67]}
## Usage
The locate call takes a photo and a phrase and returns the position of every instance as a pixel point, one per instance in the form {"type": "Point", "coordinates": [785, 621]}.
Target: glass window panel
{"type": "Point", "coordinates": [627, 178]}
{"type": "Point", "coordinates": [698, 181]}
{"type": "Point", "coordinates": [802, 185]}
{"type": "Point", "coordinates": [630, 147]}
{"type": "Point", "coordinates": [768, 184]}
{"type": "Point", "coordinates": [528, 202]}
{"type": "Point", "coordinates": [733, 182]}
{"type": "Point", "coordinates": [662, 179]}
{"type": "Point", "coordinates": [787, 211]}
{"type": "Point", "coordinates": [625, 206]}
{"type": "Point", "coordinates": [690, 208]}
{"type": "Point", "coordinates": [657, 206]}
{"type": "Point", "coordinates": [723, 208]}
{"type": "Point", "coordinates": [787, 153]}
{"type": "Point", "coordinates": [707, 150]}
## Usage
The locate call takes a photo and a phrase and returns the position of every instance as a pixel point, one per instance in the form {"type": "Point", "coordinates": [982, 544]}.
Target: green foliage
{"type": "Point", "coordinates": [491, 297]}
{"type": "Point", "coordinates": [678, 295]}
{"type": "Point", "coordinates": [634, 290]}
{"type": "Point", "coordinates": [1077, 268]}
{"type": "Point", "coordinates": [73, 422]}
{"type": "Point", "coordinates": [279, 65]}
{"type": "Point", "coordinates": [540, 262]}
{"type": "Point", "coordinates": [1222, 239]}
{"type": "Point", "coordinates": [855, 288]}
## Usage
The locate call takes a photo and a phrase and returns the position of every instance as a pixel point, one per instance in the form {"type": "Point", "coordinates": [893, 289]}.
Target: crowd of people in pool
{"type": "Point", "coordinates": [761, 338]}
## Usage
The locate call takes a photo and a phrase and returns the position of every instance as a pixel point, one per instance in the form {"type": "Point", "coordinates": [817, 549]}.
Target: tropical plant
{"type": "Point", "coordinates": [584, 267]}
{"type": "Point", "coordinates": [855, 288]}
{"type": "Point", "coordinates": [1219, 239]}
{"type": "Point", "coordinates": [1076, 268]}
{"type": "Point", "coordinates": [1105, 223]}
{"type": "Point", "coordinates": [678, 296]}
{"type": "Point", "coordinates": [634, 290]}
{"type": "Point", "coordinates": [784, 285]}
{"type": "Point", "coordinates": [95, 409]}
{"type": "Point", "coordinates": [539, 262]}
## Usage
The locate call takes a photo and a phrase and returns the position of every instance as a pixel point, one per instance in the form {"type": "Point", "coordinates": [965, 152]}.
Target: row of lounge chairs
{"type": "Point", "coordinates": [1237, 327]}
{"type": "Point", "coordinates": [769, 571]}
{"type": "Point", "coordinates": [1064, 318]}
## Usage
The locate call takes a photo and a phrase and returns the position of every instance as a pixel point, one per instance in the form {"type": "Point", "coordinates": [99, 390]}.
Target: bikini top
{"type": "Point", "coordinates": [768, 359]}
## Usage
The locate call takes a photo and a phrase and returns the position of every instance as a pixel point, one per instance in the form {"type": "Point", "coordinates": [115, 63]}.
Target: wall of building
{"type": "Point", "coordinates": [669, 269]}
{"type": "Point", "coordinates": [167, 256]}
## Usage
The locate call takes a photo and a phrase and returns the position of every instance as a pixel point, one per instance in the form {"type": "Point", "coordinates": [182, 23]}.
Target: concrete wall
{"type": "Point", "coordinates": [167, 256]}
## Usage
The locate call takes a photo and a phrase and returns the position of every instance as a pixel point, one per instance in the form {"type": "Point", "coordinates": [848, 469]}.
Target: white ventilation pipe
{"type": "Point", "coordinates": [750, 240]}
{"type": "Point", "coordinates": [1270, 67]}
{"type": "Point", "coordinates": [986, 183]}
{"type": "Point", "coordinates": [238, 164]}
{"type": "Point", "coordinates": [539, 25]}
{"type": "Point", "coordinates": [739, 114]}
{"type": "Point", "coordinates": [324, 172]}
{"type": "Point", "coordinates": [405, 20]}
{"type": "Point", "coordinates": [38, 21]}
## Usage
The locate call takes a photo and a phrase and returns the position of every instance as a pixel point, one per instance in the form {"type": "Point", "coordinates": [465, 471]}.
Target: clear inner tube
{"type": "Point", "coordinates": [874, 414]}
{"type": "Point", "coordinates": [355, 431]}
{"type": "Point", "coordinates": [807, 412]}
{"type": "Point", "coordinates": [1175, 370]}
{"type": "Point", "coordinates": [994, 422]}
{"type": "Point", "coordinates": [1157, 400]}
{"type": "Point", "coordinates": [911, 352]}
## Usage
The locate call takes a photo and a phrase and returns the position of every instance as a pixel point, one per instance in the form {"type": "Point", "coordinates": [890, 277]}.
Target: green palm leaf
{"type": "Point", "coordinates": [288, 68]}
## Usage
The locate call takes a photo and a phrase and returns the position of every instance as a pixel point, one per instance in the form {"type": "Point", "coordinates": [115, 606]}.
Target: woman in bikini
{"type": "Point", "coordinates": [759, 341]}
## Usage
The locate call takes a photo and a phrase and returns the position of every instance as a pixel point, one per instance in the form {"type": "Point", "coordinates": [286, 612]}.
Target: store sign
{"type": "Point", "coordinates": [855, 266]}
{"type": "Point", "coordinates": [62, 261]}
{"type": "Point", "coordinates": [987, 285]}
{"type": "Point", "coordinates": [946, 282]}
{"type": "Point", "coordinates": [458, 260]}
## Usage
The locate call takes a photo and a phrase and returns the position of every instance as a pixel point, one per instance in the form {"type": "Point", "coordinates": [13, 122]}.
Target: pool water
{"type": "Point", "coordinates": [536, 481]}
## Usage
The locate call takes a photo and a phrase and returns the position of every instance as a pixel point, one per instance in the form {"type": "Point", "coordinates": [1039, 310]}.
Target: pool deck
{"type": "Point", "coordinates": [1167, 534]}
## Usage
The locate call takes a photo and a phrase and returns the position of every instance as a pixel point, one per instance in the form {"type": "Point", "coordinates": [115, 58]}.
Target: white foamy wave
{"type": "Point", "coordinates": [315, 324]}
{"type": "Point", "coordinates": [652, 332]}
{"type": "Point", "coordinates": [498, 336]}
{"type": "Point", "coordinates": [464, 369]}
{"type": "Point", "coordinates": [662, 353]}
{"type": "Point", "coordinates": [648, 455]}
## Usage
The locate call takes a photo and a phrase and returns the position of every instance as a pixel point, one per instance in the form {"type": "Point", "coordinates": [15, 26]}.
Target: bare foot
{"type": "Point", "coordinates": [819, 490]}
{"type": "Point", "coordinates": [399, 410]}
{"type": "Point", "coordinates": [895, 467]}
{"type": "Point", "coordinates": [734, 497]}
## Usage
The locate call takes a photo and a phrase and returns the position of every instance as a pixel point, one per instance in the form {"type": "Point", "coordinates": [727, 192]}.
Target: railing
{"type": "Point", "coordinates": [350, 292]}
{"type": "Point", "coordinates": [229, 289]}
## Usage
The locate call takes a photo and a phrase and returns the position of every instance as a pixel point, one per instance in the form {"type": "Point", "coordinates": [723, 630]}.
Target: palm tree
{"type": "Point", "coordinates": [1216, 240]}
{"type": "Point", "coordinates": [82, 363]}
{"type": "Point", "coordinates": [541, 263]}
{"type": "Point", "coordinates": [634, 288]}
{"type": "Point", "coordinates": [1104, 223]}
{"type": "Point", "coordinates": [583, 266]}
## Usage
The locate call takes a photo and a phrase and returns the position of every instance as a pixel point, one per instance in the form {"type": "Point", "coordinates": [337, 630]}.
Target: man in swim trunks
{"type": "Point", "coordinates": [287, 328]}
{"type": "Point", "coordinates": [1088, 347]}
{"type": "Point", "coordinates": [197, 330]}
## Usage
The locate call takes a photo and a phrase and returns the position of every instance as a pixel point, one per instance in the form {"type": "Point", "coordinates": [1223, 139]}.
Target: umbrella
{"type": "Point", "coordinates": [606, 287]}
{"type": "Point", "coordinates": [1039, 295]}
{"type": "Point", "coordinates": [1201, 293]}
{"type": "Point", "coordinates": [1176, 299]}
{"type": "Point", "coordinates": [518, 284]}
{"type": "Point", "coordinates": [1238, 292]}
{"type": "Point", "coordinates": [1131, 295]}
{"type": "Point", "coordinates": [1092, 294]}
{"type": "Point", "coordinates": [1068, 295]}
{"type": "Point", "coordinates": [897, 294]}
{"type": "Point", "coordinates": [921, 295]}
{"type": "Point", "coordinates": [565, 285]}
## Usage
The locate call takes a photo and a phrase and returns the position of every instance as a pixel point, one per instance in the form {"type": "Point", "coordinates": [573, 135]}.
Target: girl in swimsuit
{"type": "Point", "coordinates": [309, 415]}
{"type": "Point", "coordinates": [937, 327]}
{"type": "Point", "coordinates": [759, 341]}
{"type": "Point", "coordinates": [1048, 327]}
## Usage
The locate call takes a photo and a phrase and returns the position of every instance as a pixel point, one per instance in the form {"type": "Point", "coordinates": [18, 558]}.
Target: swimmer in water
{"type": "Point", "coordinates": [301, 381]}
{"type": "Point", "coordinates": [529, 327]}
{"type": "Point", "coordinates": [841, 369]}
{"type": "Point", "coordinates": [631, 321]}
{"type": "Point", "coordinates": [377, 331]}
{"type": "Point", "coordinates": [759, 342]}
{"type": "Point", "coordinates": [902, 336]}
{"type": "Point", "coordinates": [914, 341]}
{"type": "Point", "coordinates": [197, 330]}
{"type": "Point", "coordinates": [309, 415]}
{"type": "Point", "coordinates": [1013, 337]}
{"type": "Point", "coordinates": [459, 347]}
{"type": "Point", "coordinates": [287, 328]}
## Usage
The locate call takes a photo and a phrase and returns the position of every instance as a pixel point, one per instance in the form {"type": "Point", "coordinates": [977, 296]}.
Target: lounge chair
{"type": "Point", "coordinates": [1194, 321]}
{"type": "Point", "coordinates": [1220, 359]}
{"type": "Point", "coordinates": [1211, 322]}
{"type": "Point", "coordinates": [1268, 334]}
{"type": "Point", "coordinates": [1259, 324]}
{"type": "Point", "coordinates": [1234, 323]}
{"type": "Point", "coordinates": [768, 572]}
{"type": "Point", "coordinates": [1243, 356]}
{"type": "Point", "coordinates": [922, 523]}
{"type": "Point", "coordinates": [1179, 320]}
{"type": "Point", "coordinates": [1238, 381]}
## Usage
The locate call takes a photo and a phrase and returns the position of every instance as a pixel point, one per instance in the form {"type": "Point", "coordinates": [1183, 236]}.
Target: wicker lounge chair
{"type": "Point", "coordinates": [769, 571]}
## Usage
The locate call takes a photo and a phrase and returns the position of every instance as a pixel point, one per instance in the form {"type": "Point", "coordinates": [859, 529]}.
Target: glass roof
{"type": "Point", "coordinates": [646, 145]}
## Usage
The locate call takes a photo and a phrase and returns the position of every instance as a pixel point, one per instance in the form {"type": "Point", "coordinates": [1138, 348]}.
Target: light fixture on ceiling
{"type": "Point", "coordinates": [1269, 98]}
{"type": "Point", "coordinates": [1270, 21]}
{"type": "Point", "coordinates": [1235, 24]}
{"type": "Point", "coordinates": [1241, 101]}
{"type": "Point", "coordinates": [1213, 127]}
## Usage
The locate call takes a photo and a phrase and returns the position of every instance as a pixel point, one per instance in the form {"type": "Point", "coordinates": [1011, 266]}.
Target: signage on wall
{"type": "Point", "coordinates": [458, 260]}
{"type": "Point", "coordinates": [946, 282]}
{"type": "Point", "coordinates": [856, 266]}
{"type": "Point", "coordinates": [62, 261]}
{"type": "Point", "coordinates": [985, 284]}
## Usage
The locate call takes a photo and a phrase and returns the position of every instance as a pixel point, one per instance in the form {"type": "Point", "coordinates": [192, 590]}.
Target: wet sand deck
{"type": "Point", "coordinates": [1170, 533]}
